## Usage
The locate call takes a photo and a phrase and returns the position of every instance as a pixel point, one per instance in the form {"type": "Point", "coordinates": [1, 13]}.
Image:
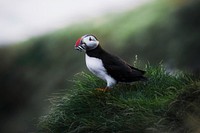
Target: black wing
{"type": "Point", "coordinates": [116, 67]}
{"type": "Point", "coordinates": [120, 70]}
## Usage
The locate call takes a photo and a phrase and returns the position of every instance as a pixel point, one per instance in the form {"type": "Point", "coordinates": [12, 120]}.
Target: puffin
{"type": "Point", "coordinates": [106, 66]}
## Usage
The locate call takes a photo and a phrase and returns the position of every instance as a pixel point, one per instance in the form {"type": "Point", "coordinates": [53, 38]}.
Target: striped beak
{"type": "Point", "coordinates": [80, 46]}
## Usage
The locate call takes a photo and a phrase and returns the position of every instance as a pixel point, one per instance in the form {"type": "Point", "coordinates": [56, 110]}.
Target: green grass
{"type": "Point", "coordinates": [136, 107]}
{"type": "Point", "coordinates": [162, 30]}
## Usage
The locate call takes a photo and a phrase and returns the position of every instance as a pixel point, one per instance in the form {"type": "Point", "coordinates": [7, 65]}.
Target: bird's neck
{"type": "Point", "coordinates": [95, 52]}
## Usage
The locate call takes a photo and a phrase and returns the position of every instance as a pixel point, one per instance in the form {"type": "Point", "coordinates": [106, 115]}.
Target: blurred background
{"type": "Point", "coordinates": [37, 40]}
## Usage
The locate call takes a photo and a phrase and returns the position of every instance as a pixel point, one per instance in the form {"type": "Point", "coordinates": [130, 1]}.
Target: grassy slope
{"type": "Point", "coordinates": [127, 108]}
{"type": "Point", "coordinates": [31, 71]}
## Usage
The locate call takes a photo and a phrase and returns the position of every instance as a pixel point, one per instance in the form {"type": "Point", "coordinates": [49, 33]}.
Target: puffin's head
{"type": "Point", "coordinates": [86, 43]}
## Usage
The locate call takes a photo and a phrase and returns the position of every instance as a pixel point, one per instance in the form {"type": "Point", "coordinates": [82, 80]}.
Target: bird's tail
{"type": "Point", "coordinates": [142, 78]}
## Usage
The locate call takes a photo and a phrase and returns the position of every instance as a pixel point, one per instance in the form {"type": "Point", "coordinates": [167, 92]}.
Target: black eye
{"type": "Point", "coordinates": [90, 39]}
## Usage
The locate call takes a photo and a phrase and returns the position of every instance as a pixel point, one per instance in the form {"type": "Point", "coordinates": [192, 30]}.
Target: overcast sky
{"type": "Point", "coordinates": [22, 19]}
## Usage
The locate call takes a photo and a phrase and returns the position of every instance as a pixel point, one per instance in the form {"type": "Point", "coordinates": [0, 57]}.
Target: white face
{"type": "Point", "coordinates": [86, 42]}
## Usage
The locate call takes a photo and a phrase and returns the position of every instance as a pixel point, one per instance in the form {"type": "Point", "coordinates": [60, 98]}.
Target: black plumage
{"type": "Point", "coordinates": [116, 67]}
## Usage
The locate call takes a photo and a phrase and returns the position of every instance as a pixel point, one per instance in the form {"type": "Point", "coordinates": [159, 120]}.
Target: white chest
{"type": "Point", "coordinates": [95, 65]}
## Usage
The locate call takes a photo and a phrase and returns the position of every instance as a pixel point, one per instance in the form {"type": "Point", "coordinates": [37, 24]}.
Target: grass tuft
{"type": "Point", "coordinates": [135, 107]}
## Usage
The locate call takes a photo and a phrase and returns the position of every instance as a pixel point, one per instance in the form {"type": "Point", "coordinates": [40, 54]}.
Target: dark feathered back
{"type": "Point", "coordinates": [116, 67]}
